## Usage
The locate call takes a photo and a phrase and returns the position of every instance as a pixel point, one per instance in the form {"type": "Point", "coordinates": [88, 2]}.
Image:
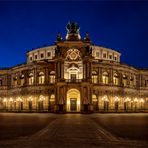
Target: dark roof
{"type": "Point", "coordinates": [42, 46]}
{"type": "Point", "coordinates": [4, 68]}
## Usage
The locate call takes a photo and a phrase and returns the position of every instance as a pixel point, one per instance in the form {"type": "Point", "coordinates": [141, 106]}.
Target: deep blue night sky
{"type": "Point", "coordinates": [122, 26]}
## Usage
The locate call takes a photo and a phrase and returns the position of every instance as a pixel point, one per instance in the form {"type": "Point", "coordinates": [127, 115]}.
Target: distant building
{"type": "Point", "coordinates": [73, 75]}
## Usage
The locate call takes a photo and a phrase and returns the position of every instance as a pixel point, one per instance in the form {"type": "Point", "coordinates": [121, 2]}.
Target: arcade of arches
{"type": "Point", "coordinates": [73, 75]}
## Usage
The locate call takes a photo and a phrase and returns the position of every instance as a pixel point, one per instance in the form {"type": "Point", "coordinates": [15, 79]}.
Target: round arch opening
{"type": "Point", "coordinates": [73, 100]}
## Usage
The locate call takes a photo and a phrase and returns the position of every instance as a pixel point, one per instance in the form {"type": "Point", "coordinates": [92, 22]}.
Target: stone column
{"type": "Point", "coordinates": [35, 74]}
{"type": "Point", "coordinates": [87, 69]}
{"type": "Point", "coordinates": [59, 66]}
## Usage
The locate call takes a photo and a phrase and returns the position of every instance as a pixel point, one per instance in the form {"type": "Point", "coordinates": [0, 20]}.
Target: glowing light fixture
{"type": "Point", "coordinates": [127, 99]}
{"type": "Point", "coordinates": [29, 99]}
{"type": "Point", "coordinates": [141, 100]}
{"type": "Point", "coordinates": [105, 98]}
{"type": "Point", "coordinates": [19, 99]}
{"type": "Point", "coordinates": [10, 99]}
{"type": "Point", "coordinates": [5, 100]}
{"type": "Point", "coordinates": [42, 98]}
{"type": "Point", "coordinates": [52, 98]}
{"type": "Point", "coordinates": [135, 100]}
{"type": "Point", "coordinates": [117, 99]}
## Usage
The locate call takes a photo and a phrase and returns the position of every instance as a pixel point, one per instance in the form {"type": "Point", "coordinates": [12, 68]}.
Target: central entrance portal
{"type": "Point", "coordinates": [73, 100]}
{"type": "Point", "coordinates": [73, 104]}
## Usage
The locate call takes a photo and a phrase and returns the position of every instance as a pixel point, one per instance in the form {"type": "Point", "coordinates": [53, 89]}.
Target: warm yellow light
{"type": "Point", "coordinates": [19, 99]}
{"type": "Point", "coordinates": [30, 98]}
{"type": "Point", "coordinates": [78, 102]}
{"type": "Point", "coordinates": [42, 98]}
{"type": "Point", "coordinates": [105, 98]}
{"type": "Point", "coordinates": [73, 93]}
{"type": "Point", "coordinates": [141, 100]}
{"type": "Point", "coordinates": [94, 98]}
{"type": "Point", "coordinates": [10, 99]}
{"type": "Point", "coordinates": [52, 100]}
{"type": "Point", "coordinates": [5, 100]}
{"type": "Point", "coordinates": [117, 99]}
{"type": "Point", "coordinates": [127, 99]}
{"type": "Point", "coordinates": [135, 100]}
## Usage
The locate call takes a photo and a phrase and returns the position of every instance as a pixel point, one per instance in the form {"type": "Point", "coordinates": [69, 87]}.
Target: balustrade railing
{"type": "Point", "coordinates": [73, 80]}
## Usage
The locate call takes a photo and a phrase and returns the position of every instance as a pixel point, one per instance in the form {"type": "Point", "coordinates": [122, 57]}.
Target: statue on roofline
{"type": "Point", "coordinates": [72, 27]}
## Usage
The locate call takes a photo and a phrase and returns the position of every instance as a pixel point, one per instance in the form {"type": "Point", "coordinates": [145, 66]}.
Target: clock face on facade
{"type": "Point", "coordinates": [73, 54]}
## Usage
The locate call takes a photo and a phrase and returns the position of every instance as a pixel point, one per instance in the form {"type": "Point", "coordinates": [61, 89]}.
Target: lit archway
{"type": "Point", "coordinates": [73, 100]}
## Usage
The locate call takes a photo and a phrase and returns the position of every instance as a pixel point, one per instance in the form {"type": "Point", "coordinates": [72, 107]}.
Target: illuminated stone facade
{"type": "Point", "coordinates": [73, 75]}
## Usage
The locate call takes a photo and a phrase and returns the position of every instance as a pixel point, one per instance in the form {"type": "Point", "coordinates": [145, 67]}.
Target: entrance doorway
{"type": "Point", "coordinates": [73, 77]}
{"type": "Point", "coordinates": [73, 100]}
{"type": "Point", "coordinates": [73, 104]}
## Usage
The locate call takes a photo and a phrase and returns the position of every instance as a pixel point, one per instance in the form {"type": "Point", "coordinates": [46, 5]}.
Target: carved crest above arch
{"type": "Point", "coordinates": [73, 55]}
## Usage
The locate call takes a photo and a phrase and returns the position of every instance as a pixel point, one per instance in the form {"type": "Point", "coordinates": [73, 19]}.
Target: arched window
{"type": "Point", "coordinates": [5, 105]}
{"type": "Point", "coordinates": [146, 83]}
{"type": "Point", "coordinates": [30, 105]}
{"type": "Point", "coordinates": [30, 99]}
{"type": "Point", "coordinates": [116, 79]}
{"type": "Point", "coordinates": [124, 80]}
{"type": "Point", "coordinates": [15, 81]}
{"type": "Point", "coordinates": [51, 102]}
{"type": "Point", "coordinates": [20, 103]}
{"type": "Point", "coordinates": [22, 77]}
{"type": "Point", "coordinates": [52, 98]}
{"type": "Point", "coordinates": [41, 102]}
{"type": "Point", "coordinates": [105, 78]}
{"type": "Point", "coordinates": [40, 105]}
{"type": "Point", "coordinates": [52, 77]}
{"type": "Point", "coordinates": [106, 103]}
{"type": "Point", "coordinates": [131, 81]}
{"type": "Point", "coordinates": [116, 99]}
{"type": "Point", "coordinates": [31, 79]}
{"type": "Point", "coordinates": [95, 102]}
{"type": "Point", "coordinates": [10, 103]}
{"type": "Point", "coordinates": [41, 78]}
{"type": "Point", "coordinates": [126, 103]}
{"type": "Point", "coordinates": [1, 82]}
{"type": "Point", "coordinates": [94, 98]}
{"type": "Point", "coordinates": [134, 80]}
{"type": "Point", "coordinates": [141, 103]}
{"type": "Point", "coordinates": [94, 77]}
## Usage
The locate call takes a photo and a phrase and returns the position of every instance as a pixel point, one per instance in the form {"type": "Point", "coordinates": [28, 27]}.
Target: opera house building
{"type": "Point", "coordinates": [73, 75]}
